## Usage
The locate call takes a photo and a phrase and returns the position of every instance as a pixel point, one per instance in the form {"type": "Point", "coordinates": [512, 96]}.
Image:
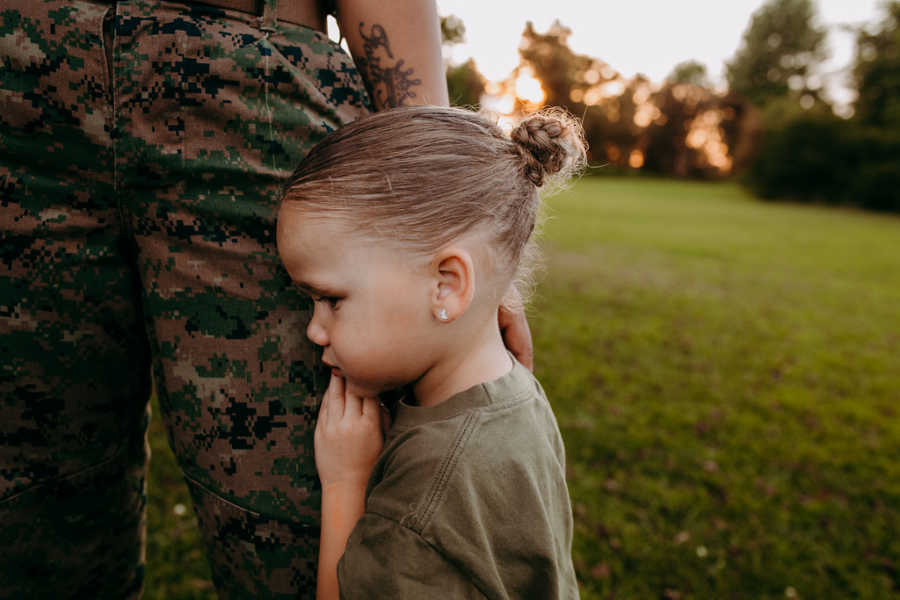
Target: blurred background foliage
{"type": "Point", "coordinates": [772, 126]}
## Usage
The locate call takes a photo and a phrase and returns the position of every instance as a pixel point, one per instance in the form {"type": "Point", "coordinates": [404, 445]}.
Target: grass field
{"type": "Point", "coordinates": [726, 374]}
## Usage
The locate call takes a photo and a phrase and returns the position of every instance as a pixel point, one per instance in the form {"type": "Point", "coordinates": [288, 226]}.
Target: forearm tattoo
{"type": "Point", "coordinates": [388, 82]}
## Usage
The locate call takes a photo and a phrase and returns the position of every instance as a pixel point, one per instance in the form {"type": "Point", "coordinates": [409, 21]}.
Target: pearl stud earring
{"type": "Point", "coordinates": [442, 315]}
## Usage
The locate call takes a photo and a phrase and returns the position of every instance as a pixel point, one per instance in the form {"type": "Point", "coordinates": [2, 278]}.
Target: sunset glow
{"type": "Point", "coordinates": [636, 159]}
{"type": "Point", "coordinates": [528, 87]}
{"type": "Point", "coordinates": [610, 89]}
{"type": "Point", "coordinates": [706, 135]}
{"type": "Point", "coordinates": [632, 110]}
{"type": "Point", "coordinates": [645, 114]}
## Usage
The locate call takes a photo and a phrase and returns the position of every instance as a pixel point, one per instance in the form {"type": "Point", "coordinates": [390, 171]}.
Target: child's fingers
{"type": "Point", "coordinates": [370, 407]}
{"type": "Point", "coordinates": [353, 404]}
{"type": "Point", "coordinates": [334, 398]}
{"type": "Point", "coordinates": [323, 405]}
{"type": "Point", "coordinates": [385, 416]}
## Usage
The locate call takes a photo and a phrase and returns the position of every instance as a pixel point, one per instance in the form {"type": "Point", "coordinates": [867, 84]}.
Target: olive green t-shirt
{"type": "Point", "coordinates": [468, 500]}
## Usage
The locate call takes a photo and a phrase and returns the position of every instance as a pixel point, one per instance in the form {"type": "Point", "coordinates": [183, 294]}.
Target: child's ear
{"type": "Point", "coordinates": [454, 284]}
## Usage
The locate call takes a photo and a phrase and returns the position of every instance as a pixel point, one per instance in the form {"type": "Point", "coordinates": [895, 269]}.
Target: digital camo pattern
{"type": "Point", "coordinates": [143, 146]}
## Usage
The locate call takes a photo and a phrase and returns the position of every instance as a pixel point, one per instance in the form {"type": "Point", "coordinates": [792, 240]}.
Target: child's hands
{"type": "Point", "coordinates": [348, 436]}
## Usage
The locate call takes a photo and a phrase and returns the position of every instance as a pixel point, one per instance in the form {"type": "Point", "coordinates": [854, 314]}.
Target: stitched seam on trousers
{"type": "Point", "coordinates": [219, 497]}
{"type": "Point", "coordinates": [267, 54]}
{"type": "Point", "coordinates": [110, 19]}
{"type": "Point", "coordinates": [46, 483]}
{"type": "Point", "coordinates": [253, 513]}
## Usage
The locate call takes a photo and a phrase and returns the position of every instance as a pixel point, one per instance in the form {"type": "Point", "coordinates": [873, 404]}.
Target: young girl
{"type": "Point", "coordinates": [408, 229]}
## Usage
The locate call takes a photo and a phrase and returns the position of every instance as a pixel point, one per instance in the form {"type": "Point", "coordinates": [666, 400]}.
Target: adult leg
{"type": "Point", "coordinates": [215, 111]}
{"type": "Point", "coordinates": [74, 364]}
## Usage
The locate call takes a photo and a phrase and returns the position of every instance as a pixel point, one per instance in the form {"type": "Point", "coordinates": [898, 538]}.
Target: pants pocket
{"type": "Point", "coordinates": [254, 556]}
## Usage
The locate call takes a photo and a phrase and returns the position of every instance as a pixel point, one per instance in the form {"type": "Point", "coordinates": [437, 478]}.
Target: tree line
{"type": "Point", "coordinates": [773, 127]}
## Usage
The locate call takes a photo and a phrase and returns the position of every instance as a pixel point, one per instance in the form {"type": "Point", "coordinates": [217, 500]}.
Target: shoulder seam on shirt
{"type": "Point", "coordinates": [420, 517]}
{"type": "Point", "coordinates": [434, 548]}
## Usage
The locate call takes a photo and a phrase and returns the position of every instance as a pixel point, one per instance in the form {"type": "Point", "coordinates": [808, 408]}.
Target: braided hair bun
{"type": "Point", "coordinates": [551, 143]}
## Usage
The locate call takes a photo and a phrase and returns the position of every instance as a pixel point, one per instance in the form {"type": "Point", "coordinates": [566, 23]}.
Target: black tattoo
{"type": "Point", "coordinates": [388, 85]}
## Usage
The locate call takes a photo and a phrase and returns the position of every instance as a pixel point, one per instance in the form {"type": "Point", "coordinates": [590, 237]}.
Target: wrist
{"type": "Point", "coordinates": [344, 485]}
{"type": "Point", "coordinates": [343, 504]}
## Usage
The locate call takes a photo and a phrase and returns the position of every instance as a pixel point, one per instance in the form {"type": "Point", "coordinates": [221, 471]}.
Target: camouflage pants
{"type": "Point", "coordinates": [142, 149]}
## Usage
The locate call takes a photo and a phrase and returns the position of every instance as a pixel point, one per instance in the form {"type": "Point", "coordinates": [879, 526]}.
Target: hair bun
{"type": "Point", "coordinates": [549, 142]}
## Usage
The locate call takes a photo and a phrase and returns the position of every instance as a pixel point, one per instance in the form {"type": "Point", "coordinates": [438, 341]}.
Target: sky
{"type": "Point", "coordinates": [642, 36]}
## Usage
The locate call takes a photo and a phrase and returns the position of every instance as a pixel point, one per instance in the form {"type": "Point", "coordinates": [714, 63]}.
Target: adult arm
{"type": "Point", "coordinates": [397, 47]}
{"type": "Point", "coordinates": [516, 335]}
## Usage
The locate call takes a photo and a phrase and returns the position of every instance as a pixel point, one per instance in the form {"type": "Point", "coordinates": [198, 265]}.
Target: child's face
{"type": "Point", "coordinates": [372, 314]}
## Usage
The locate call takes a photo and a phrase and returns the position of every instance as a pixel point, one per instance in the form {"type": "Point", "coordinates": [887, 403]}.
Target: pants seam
{"type": "Point", "coordinates": [219, 496]}
{"type": "Point", "coordinates": [96, 466]}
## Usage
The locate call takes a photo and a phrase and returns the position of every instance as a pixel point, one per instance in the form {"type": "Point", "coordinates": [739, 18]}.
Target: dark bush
{"type": "Point", "coordinates": [878, 187]}
{"type": "Point", "coordinates": [825, 159]}
{"type": "Point", "coordinates": [802, 161]}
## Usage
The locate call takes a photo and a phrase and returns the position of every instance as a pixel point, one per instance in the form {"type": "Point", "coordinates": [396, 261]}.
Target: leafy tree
{"type": "Point", "coordinates": [630, 122]}
{"type": "Point", "coordinates": [453, 30]}
{"type": "Point", "coordinates": [465, 84]}
{"type": "Point", "coordinates": [558, 68]}
{"type": "Point", "coordinates": [779, 53]}
{"type": "Point", "coordinates": [578, 83]}
{"type": "Point", "coordinates": [667, 150]}
{"type": "Point", "coordinates": [877, 72]}
{"type": "Point", "coordinates": [689, 71]}
{"type": "Point", "coordinates": [741, 128]}
{"type": "Point", "coordinates": [699, 133]}
{"type": "Point", "coordinates": [813, 155]}
{"type": "Point", "coordinates": [610, 129]}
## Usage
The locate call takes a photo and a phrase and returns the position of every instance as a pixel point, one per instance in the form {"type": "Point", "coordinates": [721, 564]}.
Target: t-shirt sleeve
{"type": "Point", "coordinates": [384, 559]}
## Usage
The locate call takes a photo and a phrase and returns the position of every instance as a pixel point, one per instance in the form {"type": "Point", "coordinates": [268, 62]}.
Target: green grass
{"type": "Point", "coordinates": [726, 376]}
{"type": "Point", "coordinates": [725, 373]}
{"type": "Point", "coordinates": [176, 563]}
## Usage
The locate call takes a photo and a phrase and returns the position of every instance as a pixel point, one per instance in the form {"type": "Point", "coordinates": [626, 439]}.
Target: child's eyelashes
{"type": "Point", "coordinates": [331, 301]}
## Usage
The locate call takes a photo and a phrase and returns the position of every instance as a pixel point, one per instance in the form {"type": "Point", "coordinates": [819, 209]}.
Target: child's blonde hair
{"type": "Point", "coordinates": [426, 175]}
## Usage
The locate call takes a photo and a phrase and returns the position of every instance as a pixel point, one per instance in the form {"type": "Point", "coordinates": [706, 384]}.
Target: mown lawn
{"type": "Point", "coordinates": [726, 374]}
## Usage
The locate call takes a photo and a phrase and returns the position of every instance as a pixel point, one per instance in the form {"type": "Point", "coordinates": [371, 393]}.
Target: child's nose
{"type": "Point", "coordinates": [315, 332]}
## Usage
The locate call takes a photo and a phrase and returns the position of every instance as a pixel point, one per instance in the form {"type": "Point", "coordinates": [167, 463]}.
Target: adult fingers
{"type": "Point", "coordinates": [517, 335]}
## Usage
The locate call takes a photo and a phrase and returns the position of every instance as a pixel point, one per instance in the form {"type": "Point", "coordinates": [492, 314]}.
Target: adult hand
{"type": "Point", "coordinates": [348, 436]}
{"type": "Point", "coordinates": [516, 335]}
